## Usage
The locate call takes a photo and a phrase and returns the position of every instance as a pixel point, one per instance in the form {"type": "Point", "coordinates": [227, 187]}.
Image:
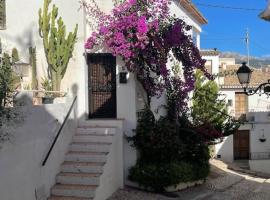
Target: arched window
{"type": "Point", "coordinates": [2, 14]}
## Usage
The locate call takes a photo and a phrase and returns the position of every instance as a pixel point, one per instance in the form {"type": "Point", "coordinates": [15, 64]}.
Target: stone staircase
{"type": "Point", "coordinates": [84, 164]}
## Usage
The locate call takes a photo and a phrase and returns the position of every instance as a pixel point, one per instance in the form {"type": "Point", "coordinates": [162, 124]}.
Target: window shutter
{"type": "Point", "coordinates": [2, 14]}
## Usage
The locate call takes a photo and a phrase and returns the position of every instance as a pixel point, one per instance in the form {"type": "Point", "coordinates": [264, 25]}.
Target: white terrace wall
{"type": "Point", "coordinates": [22, 32]}
{"type": "Point", "coordinates": [22, 174]}
{"type": "Point", "coordinates": [259, 127]}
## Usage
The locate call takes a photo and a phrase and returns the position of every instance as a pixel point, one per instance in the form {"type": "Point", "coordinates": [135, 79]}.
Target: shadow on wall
{"type": "Point", "coordinates": [224, 150]}
{"type": "Point", "coordinates": [22, 174]}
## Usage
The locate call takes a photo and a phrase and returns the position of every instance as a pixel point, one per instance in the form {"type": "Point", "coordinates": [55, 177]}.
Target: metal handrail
{"type": "Point", "coordinates": [58, 133]}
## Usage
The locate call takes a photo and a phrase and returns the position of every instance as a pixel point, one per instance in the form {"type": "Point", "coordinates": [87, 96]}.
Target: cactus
{"type": "Point", "coordinates": [33, 63]}
{"type": "Point", "coordinates": [58, 46]}
{"type": "Point", "coordinates": [15, 55]}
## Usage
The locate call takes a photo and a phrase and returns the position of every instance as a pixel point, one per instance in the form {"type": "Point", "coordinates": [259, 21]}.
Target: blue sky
{"type": "Point", "coordinates": [226, 27]}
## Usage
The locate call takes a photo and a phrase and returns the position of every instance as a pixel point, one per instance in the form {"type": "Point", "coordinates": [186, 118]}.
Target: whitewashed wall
{"type": "Point", "coordinates": [179, 12]}
{"type": "Point", "coordinates": [22, 174]}
{"type": "Point", "coordinates": [260, 166]}
{"type": "Point", "coordinates": [22, 32]}
{"type": "Point", "coordinates": [224, 150]}
{"type": "Point", "coordinates": [215, 63]}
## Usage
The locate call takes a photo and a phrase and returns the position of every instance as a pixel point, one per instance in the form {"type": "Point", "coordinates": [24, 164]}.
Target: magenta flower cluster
{"type": "Point", "coordinates": [143, 34]}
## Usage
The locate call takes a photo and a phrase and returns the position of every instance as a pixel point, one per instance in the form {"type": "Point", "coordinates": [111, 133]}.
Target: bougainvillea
{"type": "Point", "coordinates": [145, 36]}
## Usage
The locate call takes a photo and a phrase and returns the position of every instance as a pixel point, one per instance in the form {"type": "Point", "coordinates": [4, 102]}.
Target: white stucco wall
{"type": "Point", "coordinates": [229, 95]}
{"type": "Point", "coordinates": [215, 63]}
{"type": "Point", "coordinates": [22, 32]}
{"type": "Point", "coordinates": [22, 174]}
{"type": "Point", "coordinates": [179, 12]}
{"type": "Point", "coordinates": [257, 128]}
{"type": "Point", "coordinates": [224, 150]}
{"type": "Point", "coordinates": [260, 166]}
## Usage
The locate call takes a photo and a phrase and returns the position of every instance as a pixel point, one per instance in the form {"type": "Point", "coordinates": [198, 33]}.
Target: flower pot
{"type": "Point", "coordinates": [47, 100]}
{"type": "Point", "coordinates": [262, 139]}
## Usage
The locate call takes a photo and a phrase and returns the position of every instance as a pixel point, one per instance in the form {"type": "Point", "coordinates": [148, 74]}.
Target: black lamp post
{"type": "Point", "coordinates": [244, 75]}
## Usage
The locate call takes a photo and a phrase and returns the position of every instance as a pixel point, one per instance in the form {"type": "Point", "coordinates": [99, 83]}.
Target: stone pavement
{"type": "Point", "coordinates": [222, 184]}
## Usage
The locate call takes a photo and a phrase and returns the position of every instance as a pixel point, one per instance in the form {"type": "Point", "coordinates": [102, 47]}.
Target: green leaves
{"type": "Point", "coordinates": [58, 46]}
{"type": "Point", "coordinates": [211, 108]}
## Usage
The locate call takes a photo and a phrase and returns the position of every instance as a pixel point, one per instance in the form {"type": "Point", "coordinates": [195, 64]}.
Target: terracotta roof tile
{"type": "Point", "coordinates": [209, 52]}
{"type": "Point", "coordinates": [258, 76]}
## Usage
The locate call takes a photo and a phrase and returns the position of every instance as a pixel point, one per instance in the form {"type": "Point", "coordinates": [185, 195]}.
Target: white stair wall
{"type": "Point", "coordinates": [93, 166]}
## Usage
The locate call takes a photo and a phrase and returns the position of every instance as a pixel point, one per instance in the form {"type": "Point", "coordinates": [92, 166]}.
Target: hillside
{"type": "Point", "coordinates": [254, 61]}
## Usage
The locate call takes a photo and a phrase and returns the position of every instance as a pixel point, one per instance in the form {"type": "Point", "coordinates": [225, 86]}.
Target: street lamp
{"type": "Point", "coordinates": [244, 75]}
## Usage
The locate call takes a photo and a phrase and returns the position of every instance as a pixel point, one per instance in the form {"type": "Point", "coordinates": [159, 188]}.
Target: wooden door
{"type": "Point", "coordinates": [241, 145]}
{"type": "Point", "coordinates": [241, 104]}
{"type": "Point", "coordinates": [102, 85]}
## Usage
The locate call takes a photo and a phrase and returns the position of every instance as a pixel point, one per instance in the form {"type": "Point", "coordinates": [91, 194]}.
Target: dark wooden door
{"type": "Point", "coordinates": [102, 85]}
{"type": "Point", "coordinates": [241, 145]}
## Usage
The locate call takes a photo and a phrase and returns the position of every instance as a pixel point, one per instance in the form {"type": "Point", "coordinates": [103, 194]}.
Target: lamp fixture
{"type": "Point", "coordinates": [244, 75]}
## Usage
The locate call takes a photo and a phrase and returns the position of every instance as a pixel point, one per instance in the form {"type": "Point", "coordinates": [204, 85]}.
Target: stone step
{"type": "Point", "coordinates": [90, 146]}
{"type": "Point", "coordinates": [102, 123]}
{"type": "Point", "coordinates": [84, 191]}
{"type": "Point", "coordinates": [96, 130]}
{"type": "Point", "coordinates": [67, 198]}
{"type": "Point", "coordinates": [78, 178]}
{"type": "Point", "coordinates": [82, 167]}
{"type": "Point", "coordinates": [93, 138]}
{"type": "Point", "coordinates": [77, 156]}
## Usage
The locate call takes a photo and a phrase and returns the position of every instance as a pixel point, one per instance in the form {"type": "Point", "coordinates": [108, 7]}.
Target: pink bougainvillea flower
{"type": "Point", "coordinates": [142, 25]}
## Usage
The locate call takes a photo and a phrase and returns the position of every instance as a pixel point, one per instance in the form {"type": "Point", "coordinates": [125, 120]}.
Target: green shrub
{"type": "Point", "coordinates": [162, 142]}
{"type": "Point", "coordinates": [159, 176]}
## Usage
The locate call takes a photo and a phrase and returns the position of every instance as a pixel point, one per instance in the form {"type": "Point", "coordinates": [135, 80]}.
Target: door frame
{"type": "Point", "coordinates": [89, 55]}
{"type": "Point", "coordinates": [234, 153]}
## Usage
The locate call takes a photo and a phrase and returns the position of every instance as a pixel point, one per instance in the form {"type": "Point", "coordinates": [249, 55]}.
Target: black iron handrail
{"type": "Point", "coordinates": [58, 133]}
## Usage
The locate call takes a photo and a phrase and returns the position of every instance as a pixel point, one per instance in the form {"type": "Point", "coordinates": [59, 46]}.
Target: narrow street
{"type": "Point", "coordinates": [222, 184]}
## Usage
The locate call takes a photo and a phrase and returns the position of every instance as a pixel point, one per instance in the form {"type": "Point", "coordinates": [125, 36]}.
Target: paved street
{"type": "Point", "coordinates": [222, 184]}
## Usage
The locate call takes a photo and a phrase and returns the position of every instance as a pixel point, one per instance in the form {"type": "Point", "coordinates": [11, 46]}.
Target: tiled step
{"type": "Point", "coordinates": [90, 146]}
{"type": "Point", "coordinates": [84, 191]}
{"type": "Point", "coordinates": [78, 178]}
{"type": "Point", "coordinates": [93, 138]}
{"type": "Point", "coordinates": [77, 156]}
{"type": "Point", "coordinates": [67, 198]}
{"type": "Point", "coordinates": [96, 130]}
{"type": "Point", "coordinates": [102, 123]}
{"type": "Point", "coordinates": [82, 167]}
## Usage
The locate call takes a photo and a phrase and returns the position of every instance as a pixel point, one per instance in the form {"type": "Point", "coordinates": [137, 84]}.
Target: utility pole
{"type": "Point", "coordinates": [247, 45]}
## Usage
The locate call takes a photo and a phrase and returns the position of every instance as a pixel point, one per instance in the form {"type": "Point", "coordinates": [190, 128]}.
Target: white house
{"type": "Point", "coordinates": [251, 142]}
{"type": "Point", "coordinates": [99, 157]}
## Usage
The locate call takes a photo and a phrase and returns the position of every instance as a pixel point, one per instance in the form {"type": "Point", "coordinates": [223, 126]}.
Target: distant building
{"type": "Point", "coordinates": [251, 142]}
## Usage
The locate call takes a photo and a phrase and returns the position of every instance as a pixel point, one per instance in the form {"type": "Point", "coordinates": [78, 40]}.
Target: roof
{"type": "Point", "coordinates": [209, 52]}
{"type": "Point", "coordinates": [258, 77]}
{"type": "Point", "coordinates": [193, 10]}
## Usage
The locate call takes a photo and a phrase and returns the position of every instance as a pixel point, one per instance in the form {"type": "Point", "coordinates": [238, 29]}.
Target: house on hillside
{"type": "Point", "coordinates": [212, 60]}
{"type": "Point", "coordinates": [98, 153]}
{"type": "Point", "coordinates": [251, 142]}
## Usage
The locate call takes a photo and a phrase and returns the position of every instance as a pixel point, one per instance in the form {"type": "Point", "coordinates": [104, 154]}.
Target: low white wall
{"type": "Point", "coordinates": [113, 173]}
{"type": "Point", "coordinates": [224, 150]}
{"type": "Point", "coordinates": [260, 166]}
{"type": "Point", "coordinates": [22, 174]}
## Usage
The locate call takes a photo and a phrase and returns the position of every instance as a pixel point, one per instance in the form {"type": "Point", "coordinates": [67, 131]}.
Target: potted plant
{"type": "Point", "coordinates": [47, 87]}
{"type": "Point", "coordinates": [262, 138]}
